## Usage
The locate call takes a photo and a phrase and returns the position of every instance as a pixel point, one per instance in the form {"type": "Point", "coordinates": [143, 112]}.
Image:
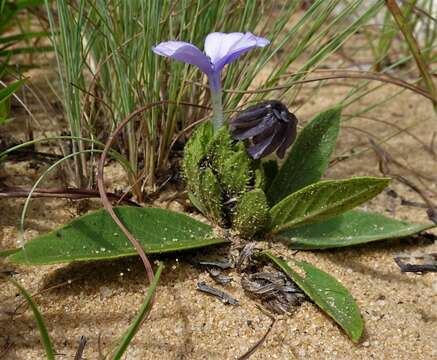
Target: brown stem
{"type": "Point", "coordinates": [102, 188]}
{"type": "Point", "coordinates": [347, 75]}
{"type": "Point", "coordinates": [66, 193]}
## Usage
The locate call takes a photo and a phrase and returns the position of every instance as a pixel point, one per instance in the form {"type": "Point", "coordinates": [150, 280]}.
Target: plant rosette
{"type": "Point", "coordinates": [232, 185]}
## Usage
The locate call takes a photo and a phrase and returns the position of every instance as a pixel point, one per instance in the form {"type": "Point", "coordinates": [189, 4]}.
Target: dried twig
{"type": "Point", "coordinates": [418, 268]}
{"type": "Point", "coordinates": [255, 347]}
{"type": "Point", "coordinates": [66, 193]}
{"type": "Point", "coordinates": [82, 342]}
{"type": "Point", "coordinates": [224, 297]}
{"type": "Point", "coordinates": [40, 292]}
{"type": "Point", "coordinates": [7, 346]}
{"type": "Point", "coordinates": [385, 78]}
{"type": "Point", "coordinates": [218, 276]}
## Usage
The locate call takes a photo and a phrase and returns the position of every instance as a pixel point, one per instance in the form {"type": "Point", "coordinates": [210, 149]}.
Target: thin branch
{"type": "Point", "coordinates": [66, 193]}
{"type": "Point", "coordinates": [347, 75]}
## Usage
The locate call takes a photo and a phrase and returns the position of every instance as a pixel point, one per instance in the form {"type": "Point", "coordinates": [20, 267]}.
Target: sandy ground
{"type": "Point", "coordinates": [101, 298]}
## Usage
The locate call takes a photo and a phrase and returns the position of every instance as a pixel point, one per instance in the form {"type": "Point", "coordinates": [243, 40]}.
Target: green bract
{"type": "Point", "coordinates": [224, 183]}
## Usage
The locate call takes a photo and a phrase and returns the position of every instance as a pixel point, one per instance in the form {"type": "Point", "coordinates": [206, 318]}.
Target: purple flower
{"type": "Point", "coordinates": [220, 49]}
{"type": "Point", "coordinates": [270, 126]}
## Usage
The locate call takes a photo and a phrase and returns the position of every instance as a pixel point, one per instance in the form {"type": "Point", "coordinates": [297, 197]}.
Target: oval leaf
{"type": "Point", "coordinates": [324, 200]}
{"type": "Point", "coordinates": [309, 157]}
{"type": "Point", "coordinates": [326, 292]}
{"type": "Point", "coordinates": [95, 236]}
{"type": "Point", "coordinates": [352, 228]}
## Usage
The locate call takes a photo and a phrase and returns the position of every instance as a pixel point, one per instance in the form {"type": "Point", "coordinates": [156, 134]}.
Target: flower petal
{"type": "Point", "coordinates": [290, 132]}
{"type": "Point", "coordinates": [265, 145]}
{"type": "Point", "coordinates": [224, 48]}
{"type": "Point", "coordinates": [265, 124]}
{"type": "Point", "coordinates": [186, 52]}
{"type": "Point", "coordinates": [249, 117]}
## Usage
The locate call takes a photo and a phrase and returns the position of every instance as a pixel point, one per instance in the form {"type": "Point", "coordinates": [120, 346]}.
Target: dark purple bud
{"type": "Point", "coordinates": [269, 125]}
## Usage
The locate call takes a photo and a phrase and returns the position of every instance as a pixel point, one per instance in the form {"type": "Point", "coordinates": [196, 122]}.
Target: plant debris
{"type": "Point", "coordinates": [428, 263]}
{"type": "Point", "coordinates": [255, 347]}
{"type": "Point", "coordinates": [245, 255]}
{"type": "Point", "coordinates": [224, 297]}
{"type": "Point", "coordinates": [218, 276]}
{"type": "Point", "coordinates": [215, 270]}
{"type": "Point", "coordinates": [277, 292]}
{"type": "Point", "coordinates": [79, 353]}
{"type": "Point", "coordinates": [222, 264]}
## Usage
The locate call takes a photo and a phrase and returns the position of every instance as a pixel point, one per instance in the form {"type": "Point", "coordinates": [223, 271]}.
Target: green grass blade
{"type": "Point", "coordinates": [134, 327]}
{"type": "Point", "coordinates": [45, 338]}
{"type": "Point", "coordinates": [10, 89]}
{"type": "Point", "coordinates": [414, 48]}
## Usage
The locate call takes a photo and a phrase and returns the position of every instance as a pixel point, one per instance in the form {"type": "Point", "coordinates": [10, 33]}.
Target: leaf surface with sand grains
{"type": "Point", "coordinates": [95, 236]}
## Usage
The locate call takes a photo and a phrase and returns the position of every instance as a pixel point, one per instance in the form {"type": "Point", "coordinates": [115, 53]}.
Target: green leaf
{"type": "Point", "coordinates": [134, 327]}
{"type": "Point", "coordinates": [8, 252]}
{"type": "Point", "coordinates": [10, 89]}
{"type": "Point", "coordinates": [23, 36]}
{"type": "Point", "coordinates": [308, 157]}
{"type": "Point", "coordinates": [324, 200]}
{"type": "Point", "coordinates": [326, 292]}
{"type": "Point", "coordinates": [270, 169]}
{"type": "Point", "coordinates": [5, 93]}
{"type": "Point", "coordinates": [26, 50]}
{"type": "Point", "coordinates": [95, 236]}
{"type": "Point", "coordinates": [45, 338]}
{"type": "Point", "coordinates": [352, 228]}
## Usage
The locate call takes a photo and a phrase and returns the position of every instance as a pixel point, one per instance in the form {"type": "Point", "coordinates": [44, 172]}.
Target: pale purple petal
{"type": "Point", "coordinates": [186, 52]}
{"type": "Point", "coordinates": [224, 48]}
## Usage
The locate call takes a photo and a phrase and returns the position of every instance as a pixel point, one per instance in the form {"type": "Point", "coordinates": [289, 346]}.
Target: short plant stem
{"type": "Point", "coordinates": [217, 108]}
{"type": "Point", "coordinates": [215, 87]}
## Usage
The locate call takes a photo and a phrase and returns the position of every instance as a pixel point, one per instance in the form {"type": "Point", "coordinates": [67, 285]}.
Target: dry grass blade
{"type": "Point", "coordinates": [385, 159]}
{"type": "Point", "coordinates": [414, 48]}
{"type": "Point", "coordinates": [364, 75]}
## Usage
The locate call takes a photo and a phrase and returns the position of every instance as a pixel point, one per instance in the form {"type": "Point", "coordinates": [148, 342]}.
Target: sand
{"type": "Point", "coordinates": [101, 298]}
